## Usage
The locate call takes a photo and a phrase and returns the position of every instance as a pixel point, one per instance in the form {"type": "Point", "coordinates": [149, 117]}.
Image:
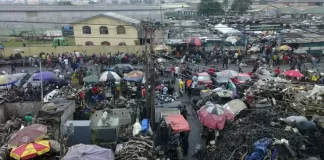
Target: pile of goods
{"type": "Point", "coordinates": [137, 148]}
{"type": "Point", "coordinates": [237, 139]}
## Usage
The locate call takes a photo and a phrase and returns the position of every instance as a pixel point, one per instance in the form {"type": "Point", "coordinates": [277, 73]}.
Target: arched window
{"type": "Point", "coordinates": [103, 30]}
{"type": "Point", "coordinates": [122, 44]}
{"type": "Point", "coordinates": [89, 43]}
{"type": "Point", "coordinates": [86, 30]}
{"type": "Point", "coordinates": [105, 43]}
{"type": "Point", "coordinates": [121, 30]}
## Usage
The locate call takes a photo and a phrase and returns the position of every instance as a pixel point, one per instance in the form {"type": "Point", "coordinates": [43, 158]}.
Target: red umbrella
{"type": "Point", "coordinates": [213, 116]}
{"type": "Point", "coordinates": [194, 41]}
{"type": "Point", "coordinates": [293, 73]}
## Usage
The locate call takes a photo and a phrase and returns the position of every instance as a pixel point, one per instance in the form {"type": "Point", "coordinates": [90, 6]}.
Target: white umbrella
{"type": "Point", "coordinates": [254, 49]}
{"type": "Point", "coordinates": [229, 73]}
{"type": "Point", "coordinates": [161, 48]}
{"type": "Point", "coordinates": [233, 40]}
{"type": "Point", "coordinates": [300, 51]}
{"type": "Point", "coordinates": [109, 76]}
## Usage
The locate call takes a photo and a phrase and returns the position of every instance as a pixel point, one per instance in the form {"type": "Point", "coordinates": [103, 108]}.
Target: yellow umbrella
{"type": "Point", "coordinates": [284, 48]}
{"type": "Point", "coordinates": [30, 150]}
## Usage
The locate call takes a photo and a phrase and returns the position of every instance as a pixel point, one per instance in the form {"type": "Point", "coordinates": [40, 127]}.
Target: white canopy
{"type": "Point", "coordinates": [227, 30]}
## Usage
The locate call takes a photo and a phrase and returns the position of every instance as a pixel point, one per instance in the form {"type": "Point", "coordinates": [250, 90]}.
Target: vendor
{"type": "Point", "coordinates": [28, 119]}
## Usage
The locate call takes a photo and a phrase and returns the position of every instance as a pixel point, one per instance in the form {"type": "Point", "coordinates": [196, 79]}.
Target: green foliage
{"type": "Point", "coordinates": [210, 7]}
{"type": "Point", "coordinates": [263, 2]}
{"type": "Point", "coordinates": [241, 6]}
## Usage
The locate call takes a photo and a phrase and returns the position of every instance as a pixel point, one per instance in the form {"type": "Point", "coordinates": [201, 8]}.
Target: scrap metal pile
{"type": "Point", "coordinates": [137, 148]}
{"type": "Point", "coordinates": [237, 139]}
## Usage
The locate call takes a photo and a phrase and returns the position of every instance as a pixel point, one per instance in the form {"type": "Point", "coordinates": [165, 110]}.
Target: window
{"type": "Point", "coordinates": [121, 30]}
{"type": "Point", "coordinates": [105, 43]}
{"type": "Point", "coordinates": [103, 30]}
{"type": "Point", "coordinates": [89, 43]}
{"type": "Point", "coordinates": [122, 44]}
{"type": "Point", "coordinates": [86, 30]}
{"type": "Point", "coordinates": [31, 14]}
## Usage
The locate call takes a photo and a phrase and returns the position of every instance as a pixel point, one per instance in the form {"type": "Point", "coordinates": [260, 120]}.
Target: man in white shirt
{"type": "Point", "coordinates": [57, 72]}
{"type": "Point", "coordinates": [66, 62]}
{"type": "Point", "coordinates": [165, 90]}
{"type": "Point", "coordinates": [176, 71]}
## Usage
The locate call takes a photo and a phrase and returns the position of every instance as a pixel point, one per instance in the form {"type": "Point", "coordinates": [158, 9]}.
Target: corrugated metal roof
{"type": "Point", "coordinates": [40, 8]}
{"type": "Point", "coordinates": [121, 17]}
{"type": "Point", "coordinates": [298, 1]}
{"type": "Point", "coordinates": [114, 16]}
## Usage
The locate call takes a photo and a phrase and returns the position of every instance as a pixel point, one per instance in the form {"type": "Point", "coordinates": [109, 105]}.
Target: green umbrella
{"type": "Point", "coordinates": [91, 79]}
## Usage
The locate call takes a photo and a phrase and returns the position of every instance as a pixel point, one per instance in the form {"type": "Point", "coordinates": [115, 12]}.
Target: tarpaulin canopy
{"type": "Point", "coordinates": [178, 123]}
{"type": "Point", "coordinates": [89, 152]}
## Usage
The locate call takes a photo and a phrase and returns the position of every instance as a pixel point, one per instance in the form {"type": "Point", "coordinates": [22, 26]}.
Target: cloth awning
{"type": "Point", "coordinates": [178, 123]}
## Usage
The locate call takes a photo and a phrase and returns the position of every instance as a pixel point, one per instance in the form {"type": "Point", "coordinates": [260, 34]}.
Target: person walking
{"type": "Point", "coordinates": [225, 61]}
{"type": "Point", "coordinates": [13, 69]}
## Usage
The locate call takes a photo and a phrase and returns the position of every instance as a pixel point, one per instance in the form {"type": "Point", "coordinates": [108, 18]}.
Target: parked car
{"type": "Point", "coordinates": [241, 78]}
{"type": "Point", "coordinates": [219, 80]}
{"type": "Point", "coordinates": [204, 79]}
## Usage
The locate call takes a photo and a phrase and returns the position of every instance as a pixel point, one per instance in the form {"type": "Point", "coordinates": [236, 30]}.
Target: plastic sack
{"type": "Point", "coordinates": [136, 128]}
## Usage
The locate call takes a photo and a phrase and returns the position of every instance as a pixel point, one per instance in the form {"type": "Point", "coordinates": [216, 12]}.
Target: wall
{"type": "Point", "coordinates": [21, 109]}
{"type": "Point", "coordinates": [112, 37]}
{"type": "Point", "coordinates": [30, 51]}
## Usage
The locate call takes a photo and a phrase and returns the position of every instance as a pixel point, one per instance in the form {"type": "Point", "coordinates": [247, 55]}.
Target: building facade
{"type": "Point", "coordinates": [108, 29]}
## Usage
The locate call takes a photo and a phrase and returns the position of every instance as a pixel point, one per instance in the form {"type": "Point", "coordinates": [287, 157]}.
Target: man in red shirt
{"type": "Point", "coordinates": [143, 92]}
{"type": "Point", "coordinates": [211, 70]}
{"type": "Point", "coordinates": [277, 71]}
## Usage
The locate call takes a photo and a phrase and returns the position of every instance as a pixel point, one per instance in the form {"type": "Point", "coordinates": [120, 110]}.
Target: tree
{"type": "Point", "coordinates": [263, 2]}
{"type": "Point", "coordinates": [241, 6]}
{"type": "Point", "coordinates": [210, 7]}
{"type": "Point", "coordinates": [225, 4]}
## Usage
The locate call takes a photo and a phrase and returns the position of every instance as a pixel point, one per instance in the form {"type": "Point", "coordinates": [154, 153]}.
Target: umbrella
{"type": "Point", "coordinates": [89, 152]}
{"type": "Point", "coordinates": [254, 49]}
{"type": "Point", "coordinates": [30, 150]}
{"type": "Point", "coordinates": [194, 41]}
{"type": "Point", "coordinates": [214, 116]}
{"type": "Point", "coordinates": [161, 48]}
{"type": "Point", "coordinates": [109, 76]}
{"type": "Point", "coordinates": [233, 40]}
{"type": "Point", "coordinates": [229, 73]}
{"type": "Point", "coordinates": [91, 79]}
{"type": "Point", "coordinates": [18, 51]}
{"type": "Point", "coordinates": [28, 134]}
{"type": "Point", "coordinates": [300, 51]}
{"type": "Point", "coordinates": [7, 80]}
{"type": "Point", "coordinates": [134, 76]}
{"type": "Point", "coordinates": [293, 73]}
{"type": "Point", "coordinates": [45, 76]}
{"type": "Point", "coordinates": [284, 48]}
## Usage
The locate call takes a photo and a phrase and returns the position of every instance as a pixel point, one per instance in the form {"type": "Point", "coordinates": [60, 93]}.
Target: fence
{"type": "Point", "coordinates": [30, 51]}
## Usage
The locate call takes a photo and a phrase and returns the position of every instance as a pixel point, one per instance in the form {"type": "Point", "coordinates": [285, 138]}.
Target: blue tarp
{"type": "Point", "coordinates": [1, 46]}
{"type": "Point", "coordinates": [260, 149]}
{"type": "Point", "coordinates": [145, 125]}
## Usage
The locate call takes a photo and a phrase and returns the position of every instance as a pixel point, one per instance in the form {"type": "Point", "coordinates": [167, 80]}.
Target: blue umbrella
{"type": "Point", "coordinates": [45, 76]}
{"type": "Point", "coordinates": [135, 79]}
